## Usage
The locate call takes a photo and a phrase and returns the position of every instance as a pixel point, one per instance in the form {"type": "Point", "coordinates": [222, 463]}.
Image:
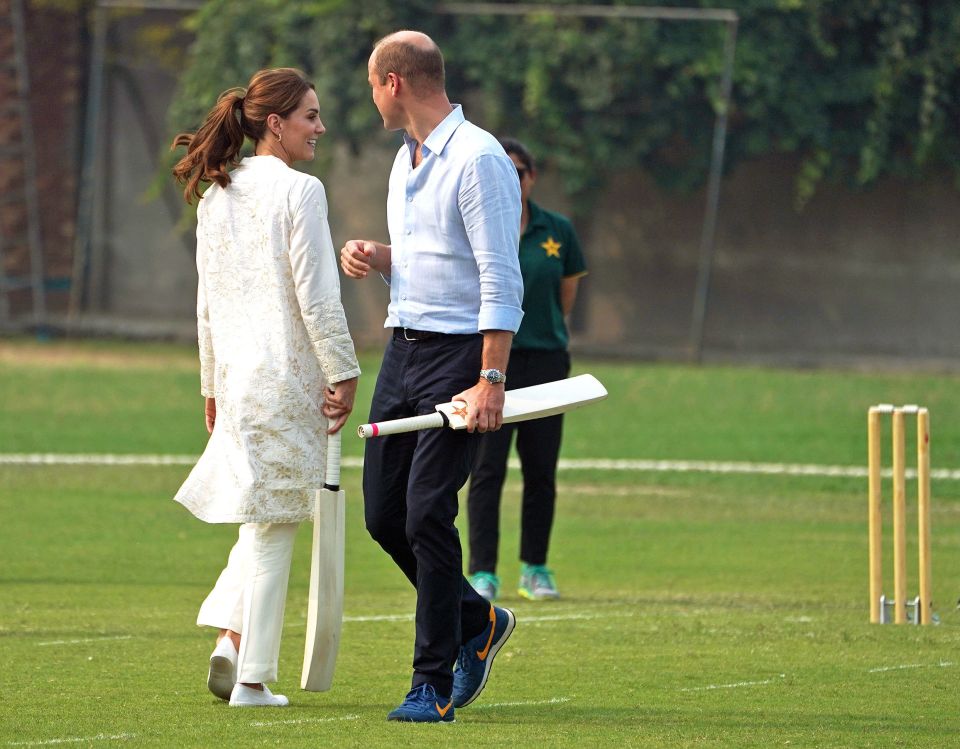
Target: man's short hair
{"type": "Point", "coordinates": [420, 65]}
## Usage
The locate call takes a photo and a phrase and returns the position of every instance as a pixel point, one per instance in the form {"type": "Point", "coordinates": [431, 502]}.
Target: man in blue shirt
{"type": "Point", "coordinates": [453, 213]}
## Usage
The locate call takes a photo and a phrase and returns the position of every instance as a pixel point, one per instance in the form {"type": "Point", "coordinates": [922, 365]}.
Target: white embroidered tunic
{"type": "Point", "coordinates": [272, 334]}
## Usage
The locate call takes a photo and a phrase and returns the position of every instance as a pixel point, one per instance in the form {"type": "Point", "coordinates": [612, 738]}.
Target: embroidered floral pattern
{"type": "Point", "coordinates": [272, 334]}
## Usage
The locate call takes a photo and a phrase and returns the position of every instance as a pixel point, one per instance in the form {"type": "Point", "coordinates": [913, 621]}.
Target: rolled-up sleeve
{"type": "Point", "coordinates": [489, 200]}
{"type": "Point", "coordinates": [317, 284]}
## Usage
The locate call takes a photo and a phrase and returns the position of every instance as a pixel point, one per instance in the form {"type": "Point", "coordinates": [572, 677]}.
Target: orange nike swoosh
{"type": "Point", "coordinates": [443, 710]}
{"type": "Point", "coordinates": [482, 654]}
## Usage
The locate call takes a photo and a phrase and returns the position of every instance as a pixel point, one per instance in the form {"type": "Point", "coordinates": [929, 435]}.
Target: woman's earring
{"type": "Point", "coordinates": [279, 137]}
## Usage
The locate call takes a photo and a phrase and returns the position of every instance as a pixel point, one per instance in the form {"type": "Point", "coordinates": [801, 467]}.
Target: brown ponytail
{"type": "Point", "coordinates": [238, 113]}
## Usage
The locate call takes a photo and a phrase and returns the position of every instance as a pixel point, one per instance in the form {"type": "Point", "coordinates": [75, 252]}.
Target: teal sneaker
{"type": "Point", "coordinates": [537, 583]}
{"type": "Point", "coordinates": [476, 657]}
{"type": "Point", "coordinates": [486, 584]}
{"type": "Point", "coordinates": [421, 705]}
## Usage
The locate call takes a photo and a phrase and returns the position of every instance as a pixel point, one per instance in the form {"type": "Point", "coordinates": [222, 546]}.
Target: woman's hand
{"type": "Point", "coordinates": [210, 413]}
{"type": "Point", "coordinates": [338, 403]}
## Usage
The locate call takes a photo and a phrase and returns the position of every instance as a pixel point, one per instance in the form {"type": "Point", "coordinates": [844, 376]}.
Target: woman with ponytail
{"type": "Point", "coordinates": [277, 364]}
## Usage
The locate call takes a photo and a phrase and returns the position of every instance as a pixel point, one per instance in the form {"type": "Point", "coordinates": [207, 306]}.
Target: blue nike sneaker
{"type": "Point", "coordinates": [421, 705]}
{"type": "Point", "coordinates": [476, 657]}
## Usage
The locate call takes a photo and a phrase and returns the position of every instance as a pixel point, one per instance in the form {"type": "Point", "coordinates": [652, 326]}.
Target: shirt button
{"type": "Point", "coordinates": [410, 199]}
{"type": "Point", "coordinates": [409, 232]}
{"type": "Point", "coordinates": [403, 297]}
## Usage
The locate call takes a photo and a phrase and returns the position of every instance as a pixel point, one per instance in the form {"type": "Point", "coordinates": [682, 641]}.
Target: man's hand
{"type": "Point", "coordinates": [484, 406]}
{"type": "Point", "coordinates": [210, 413]}
{"type": "Point", "coordinates": [338, 403]}
{"type": "Point", "coordinates": [485, 400]}
{"type": "Point", "coordinates": [359, 256]}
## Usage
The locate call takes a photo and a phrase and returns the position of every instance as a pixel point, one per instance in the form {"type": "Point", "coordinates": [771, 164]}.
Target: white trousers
{"type": "Point", "coordinates": [250, 596]}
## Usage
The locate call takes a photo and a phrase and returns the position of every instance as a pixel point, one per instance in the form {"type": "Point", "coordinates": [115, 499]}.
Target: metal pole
{"type": "Point", "coordinates": [725, 16]}
{"type": "Point", "coordinates": [32, 199]}
{"type": "Point", "coordinates": [652, 13]}
{"type": "Point", "coordinates": [91, 141]}
{"type": "Point", "coordinates": [708, 234]}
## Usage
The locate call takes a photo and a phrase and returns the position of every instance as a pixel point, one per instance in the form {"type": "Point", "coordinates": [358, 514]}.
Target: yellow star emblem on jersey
{"type": "Point", "coordinates": [552, 247]}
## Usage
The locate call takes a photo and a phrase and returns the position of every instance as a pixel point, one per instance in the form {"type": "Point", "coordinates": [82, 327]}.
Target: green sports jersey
{"type": "Point", "coordinates": [549, 252]}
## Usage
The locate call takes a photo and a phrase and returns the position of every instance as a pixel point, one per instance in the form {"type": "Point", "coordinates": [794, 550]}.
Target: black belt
{"type": "Point", "coordinates": [409, 334]}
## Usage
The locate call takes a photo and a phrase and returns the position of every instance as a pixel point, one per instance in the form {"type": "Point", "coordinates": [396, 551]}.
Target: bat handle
{"type": "Point", "coordinates": [398, 426]}
{"type": "Point", "coordinates": [332, 480]}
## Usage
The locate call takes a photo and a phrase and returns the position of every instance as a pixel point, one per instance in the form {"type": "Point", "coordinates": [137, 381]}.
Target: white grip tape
{"type": "Point", "coordinates": [399, 426]}
{"type": "Point", "coordinates": [333, 460]}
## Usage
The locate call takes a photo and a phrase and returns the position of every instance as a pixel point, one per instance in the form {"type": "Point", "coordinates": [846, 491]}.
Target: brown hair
{"type": "Point", "coordinates": [420, 64]}
{"type": "Point", "coordinates": [238, 114]}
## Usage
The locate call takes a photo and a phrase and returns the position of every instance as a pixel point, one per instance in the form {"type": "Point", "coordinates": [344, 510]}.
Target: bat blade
{"type": "Point", "coordinates": [325, 602]}
{"type": "Point", "coordinates": [325, 598]}
{"type": "Point", "coordinates": [537, 401]}
{"type": "Point", "coordinates": [534, 402]}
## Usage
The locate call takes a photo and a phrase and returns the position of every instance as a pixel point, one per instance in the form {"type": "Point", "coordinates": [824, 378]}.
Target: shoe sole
{"type": "Point", "coordinates": [494, 649]}
{"type": "Point", "coordinates": [220, 679]}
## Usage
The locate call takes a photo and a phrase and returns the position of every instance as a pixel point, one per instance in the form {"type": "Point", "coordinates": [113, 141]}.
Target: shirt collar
{"type": "Point", "coordinates": [441, 134]}
{"type": "Point", "coordinates": [537, 216]}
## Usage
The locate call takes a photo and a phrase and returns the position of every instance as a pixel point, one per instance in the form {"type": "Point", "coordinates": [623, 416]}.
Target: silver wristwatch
{"type": "Point", "coordinates": [493, 376]}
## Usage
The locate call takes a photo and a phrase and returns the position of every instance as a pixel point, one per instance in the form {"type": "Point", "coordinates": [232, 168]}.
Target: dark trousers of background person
{"type": "Point", "coordinates": [410, 485]}
{"type": "Point", "coordinates": [538, 445]}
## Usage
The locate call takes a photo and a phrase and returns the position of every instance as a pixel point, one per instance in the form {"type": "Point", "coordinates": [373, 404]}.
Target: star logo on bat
{"type": "Point", "coordinates": [461, 412]}
{"type": "Point", "coordinates": [552, 247]}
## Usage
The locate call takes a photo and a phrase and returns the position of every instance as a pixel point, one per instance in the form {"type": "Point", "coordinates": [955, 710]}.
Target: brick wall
{"type": "Point", "coordinates": [54, 50]}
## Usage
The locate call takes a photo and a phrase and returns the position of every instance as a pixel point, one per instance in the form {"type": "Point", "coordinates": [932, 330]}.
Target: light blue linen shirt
{"type": "Point", "coordinates": [454, 225]}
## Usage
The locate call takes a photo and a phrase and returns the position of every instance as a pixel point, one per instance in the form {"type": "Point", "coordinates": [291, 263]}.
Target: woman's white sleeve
{"type": "Point", "coordinates": [204, 337]}
{"type": "Point", "coordinates": [317, 284]}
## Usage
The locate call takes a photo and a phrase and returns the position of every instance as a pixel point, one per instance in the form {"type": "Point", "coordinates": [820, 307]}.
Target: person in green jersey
{"type": "Point", "coordinates": [551, 263]}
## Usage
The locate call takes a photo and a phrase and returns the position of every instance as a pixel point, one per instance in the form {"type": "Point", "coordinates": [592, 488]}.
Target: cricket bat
{"type": "Point", "coordinates": [325, 598]}
{"type": "Point", "coordinates": [522, 404]}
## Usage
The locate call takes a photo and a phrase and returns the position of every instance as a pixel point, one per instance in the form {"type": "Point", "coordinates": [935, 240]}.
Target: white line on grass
{"type": "Point", "coordinates": [636, 466]}
{"type": "Point", "coordinates": [86, 639]}
{"type": "Point", "coordinates": [378, 618]}
{"type": "Point", "coordinates": [734, 685]}
{"type": "Point", "coordinates": [75, 740]}
{"type": "Point", "coordinates": [551, 701]}
{"type": "Point", "coordinates": [298, 721]}
{"type": "Point", "coordinates": [526, 619]}
{"type": "Point", "coordinates": [941, 664]}
{"type": "Point", "coordinates": [771, 469]}
{"type": "Point", "coordinates": [93, 459]}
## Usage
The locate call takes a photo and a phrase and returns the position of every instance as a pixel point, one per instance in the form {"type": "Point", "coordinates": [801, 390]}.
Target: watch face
{"type": "Point", "coordinates": [493, 376]}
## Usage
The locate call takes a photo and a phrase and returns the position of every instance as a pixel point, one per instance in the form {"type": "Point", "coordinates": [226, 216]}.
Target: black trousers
{"type": "Point", "coordinates": [538, 445]}
{"type": "Point", "coordinates": [410, 485]}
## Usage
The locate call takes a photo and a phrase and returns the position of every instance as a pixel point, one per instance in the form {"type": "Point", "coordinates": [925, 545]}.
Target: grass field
{"type": "Point", "coordinates": [698, 609]}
